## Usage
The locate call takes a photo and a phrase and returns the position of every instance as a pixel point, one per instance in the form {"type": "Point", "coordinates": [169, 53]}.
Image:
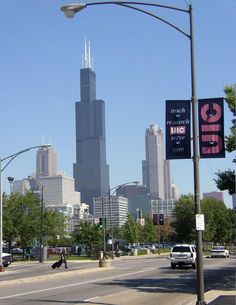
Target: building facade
{"type": "Point", "coordinates": [46, 162]}
{"type": "Point", "coordinates": [91, 172]}
{"type": "Point", "coordinates": [217, 195]}
{"type": "Point", "coordinates": [138, 198]}
{"type": "Point", "coordinates": [156, 170]}
{"type": "Point", "coordinates": [59, 190]}
{"type": "Point", "coordinates": [114, 210]}
{"type": "Point", "coordinates": [165, 207]}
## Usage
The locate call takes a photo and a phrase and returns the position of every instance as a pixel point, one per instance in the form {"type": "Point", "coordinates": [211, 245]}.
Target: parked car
{"type": "Point", "coordinates": [6, 259]}
{"type": "Point", "coordinates": [17, 251]}
{"type": "Point", "coordinates": [219, 251]}
{"type": "Point", "coordinates": [183, 254]}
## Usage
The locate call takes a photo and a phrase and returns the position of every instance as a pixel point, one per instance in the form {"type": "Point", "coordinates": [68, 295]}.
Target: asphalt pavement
{"type": "Point", "coordinates": [212, 297]}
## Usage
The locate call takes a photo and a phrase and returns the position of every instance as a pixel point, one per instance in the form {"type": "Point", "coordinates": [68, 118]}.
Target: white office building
{"type": "Point", "coordinates": [165, 207]}
{"type": "Point", "coordinates": [114, 210]}
{"type": "Point", "coordinates": [59, 190]}
{"type": "Point", "coordinates": [175, 192]}
{"type": "Point", "coordinates": [21, 186]}
{"type": "Point", "coordinates": [156, 170]}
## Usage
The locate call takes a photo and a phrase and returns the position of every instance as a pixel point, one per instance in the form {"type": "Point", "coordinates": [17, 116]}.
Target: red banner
{"type": "Point", "coordinates": [211, 128]}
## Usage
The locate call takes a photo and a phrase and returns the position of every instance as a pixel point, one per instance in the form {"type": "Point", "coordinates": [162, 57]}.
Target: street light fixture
{"type": "Point", "coordinates": [115, 189]}
{"type": "Point", "coordinates": [11, 180]}
{"type": "Point", "coordinates": [71, 9]}
{"type": "Point", "coordinates": [10, 159]}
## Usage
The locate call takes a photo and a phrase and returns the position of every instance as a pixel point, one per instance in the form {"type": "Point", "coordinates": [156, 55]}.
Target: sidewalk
{"type": "Point", "coordinates": [217, 297]}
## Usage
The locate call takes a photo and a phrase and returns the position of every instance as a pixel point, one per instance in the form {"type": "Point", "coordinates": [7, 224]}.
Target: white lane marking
{"type": "Point", "coordinates": [87, 300]}
{"type": "Point", "coordinates": [76, 284]}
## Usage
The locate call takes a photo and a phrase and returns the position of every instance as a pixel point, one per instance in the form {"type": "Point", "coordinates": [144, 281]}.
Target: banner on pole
{"type": "Point", "coordinates": [211, 128]}
{"type": "Point", "coordinates": [178, 141]}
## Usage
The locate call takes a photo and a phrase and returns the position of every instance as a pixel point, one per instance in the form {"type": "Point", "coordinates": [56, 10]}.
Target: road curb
{"type": "Point", "coordinates": [53, 275]}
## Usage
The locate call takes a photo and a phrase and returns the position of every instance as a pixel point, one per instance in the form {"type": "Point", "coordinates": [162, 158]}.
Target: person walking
{"type": "Point", "coordinates": [64, 257]}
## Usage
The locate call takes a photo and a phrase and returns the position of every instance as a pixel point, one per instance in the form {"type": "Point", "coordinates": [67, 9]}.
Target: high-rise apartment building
{"type": "Point", "coordinates": [46, 162]}
{"type": "Point", "coordinates": [91, 173]}
{"type": "Point", "coordinates": [156, 170]}
{"type": "Point", "coordinates": [114, 209]}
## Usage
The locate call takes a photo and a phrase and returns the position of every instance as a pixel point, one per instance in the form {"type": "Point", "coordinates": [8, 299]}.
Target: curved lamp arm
{"type": "Point", "coordinates": [71, 9]}
{"type": "Point", "coordinates": [115, 188]}
{"type": "Point", "coordinates": [13, 156]}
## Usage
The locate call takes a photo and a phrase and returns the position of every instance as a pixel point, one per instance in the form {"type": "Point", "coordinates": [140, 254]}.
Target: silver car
{"type": "Point", "coordinates": [183, 254]}
{"type": "Point", "coordinates": [219, 251]}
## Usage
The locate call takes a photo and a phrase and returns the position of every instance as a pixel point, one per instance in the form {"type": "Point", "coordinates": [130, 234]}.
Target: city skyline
{"type": "Point", "coordinates": [140, 63]}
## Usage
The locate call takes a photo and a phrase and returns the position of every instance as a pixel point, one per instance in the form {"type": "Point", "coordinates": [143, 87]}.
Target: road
{"type": "Point", "coordinates": [139, 281]}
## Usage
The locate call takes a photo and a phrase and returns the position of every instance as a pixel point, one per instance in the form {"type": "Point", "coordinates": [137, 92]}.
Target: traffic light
{"type": "Point", "coordinates": [161, 219]}
{"type": "Point", "coordinates": [101, 222]}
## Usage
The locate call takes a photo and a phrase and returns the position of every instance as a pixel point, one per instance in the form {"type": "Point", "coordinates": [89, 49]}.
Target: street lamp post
{"type": "Point", "coordinates": [10, 159]}
{"type": "Point", "coordinates": [41, 248]}
{"type": "Point", "coordinates": [71, 9]}
{"type": "Point", "coordinates": [114, 190]}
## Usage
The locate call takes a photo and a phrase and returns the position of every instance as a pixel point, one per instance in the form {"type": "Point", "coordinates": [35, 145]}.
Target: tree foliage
{"type": "Point", "coordinates": [89, 234]}
{"type": "Point", "coordinates": [131, 230]}
{"type": "Point", "coordinates": [219, 222]}
{"type": "Point", "coordinates": [184, 220]}
{"type": "Point", "coordinates": [230, 99]}
{"type": "Point", "coordinates": [148, 233]}
{"type": "Point", "coordinates": [226, 179]}
{"type": "Point", "coordinates": [22, 220]}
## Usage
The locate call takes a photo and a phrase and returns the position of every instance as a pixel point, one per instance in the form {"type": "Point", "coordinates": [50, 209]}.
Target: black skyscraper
{"type": "Point", "coordinates": [91, 173]}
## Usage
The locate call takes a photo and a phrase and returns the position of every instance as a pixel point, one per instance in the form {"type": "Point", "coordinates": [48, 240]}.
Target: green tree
{"type": "Point", "coordinates": [230, 99]}
{"type": "Point", "coordinates": [219, 222]}
{"type": "Point", "coordinates": [89, 234]}
{"type": "Point", "coordinates": [184, 220]}
{"type": "Point", "coordinates": [148, 233]}
{"type": "Point", "coordinates": [226, 179]}
{"type": "Point", "coordinates": [22, 220]}
{"type": "Point", "coordinates": [131, 230]}
{"type": "Point", "coordinates": [166, 231]}
{"type": "Point", "coordinates": [118, 232]}
{"type": "Point", "coordinates": [54, 228]}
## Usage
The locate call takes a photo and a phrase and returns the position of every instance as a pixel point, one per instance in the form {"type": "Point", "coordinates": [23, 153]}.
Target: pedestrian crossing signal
{"type": "Point", "coordinates": [161, 219]}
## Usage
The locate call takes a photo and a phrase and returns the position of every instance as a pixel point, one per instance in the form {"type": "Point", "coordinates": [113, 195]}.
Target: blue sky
{"type": "Point", "coordinates": [139, 62]}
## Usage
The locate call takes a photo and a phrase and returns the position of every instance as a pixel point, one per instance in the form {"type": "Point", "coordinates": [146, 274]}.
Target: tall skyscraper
{"type": "Point", "coordinates": [46, 162]}
{"type": "Point", "coordinates": [91, 173]}
{"type": "Point", "coordinates": [156, 170]}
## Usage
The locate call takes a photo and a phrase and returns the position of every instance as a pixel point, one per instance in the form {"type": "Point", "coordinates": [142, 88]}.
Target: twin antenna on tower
{"type": "Point", "coordinates": [87, 60]}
